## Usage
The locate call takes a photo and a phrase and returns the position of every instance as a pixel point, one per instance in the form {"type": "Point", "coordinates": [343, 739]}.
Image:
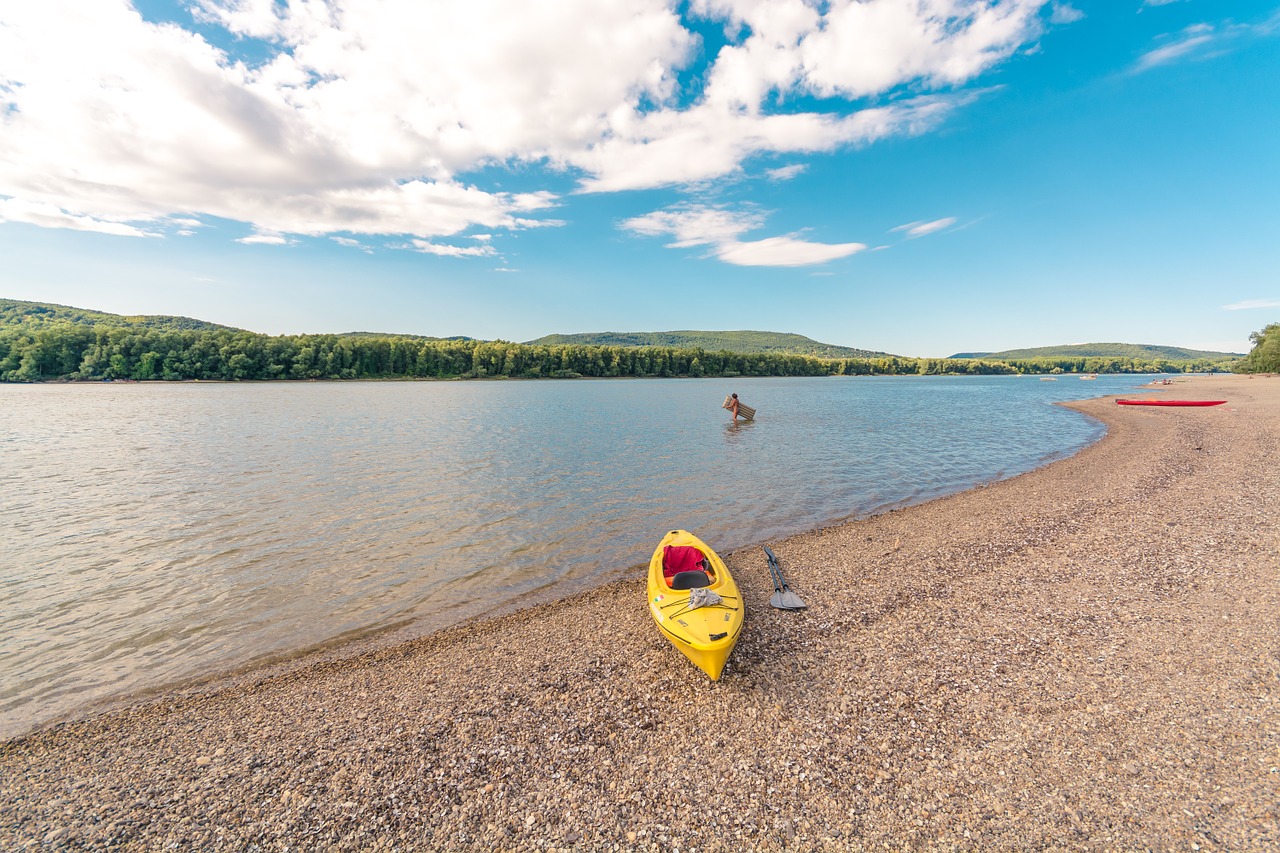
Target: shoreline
{"type": "Point", "coordinates": [1082, 656]}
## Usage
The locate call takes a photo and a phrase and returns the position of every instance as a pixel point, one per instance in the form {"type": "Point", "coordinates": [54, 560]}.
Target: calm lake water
{"type": "Point", "coordinates": [154, 533]}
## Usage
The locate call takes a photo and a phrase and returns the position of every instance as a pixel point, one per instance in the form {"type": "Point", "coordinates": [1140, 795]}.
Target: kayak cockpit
{"type": "Point", "coordinates": [686, 567]}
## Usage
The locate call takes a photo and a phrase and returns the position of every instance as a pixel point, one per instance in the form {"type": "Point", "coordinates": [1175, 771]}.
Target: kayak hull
{"type": "Point", "coordinates": [1170, 402]}
{"type": "Point", "coordinates": [706, 635]}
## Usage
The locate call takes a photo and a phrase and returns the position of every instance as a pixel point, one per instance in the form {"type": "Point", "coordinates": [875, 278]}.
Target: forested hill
{"type": "Point", "coordinates": [1146, 352]}
{"type": "Point", "coordinates": [33, 315]}
{"type": "Point", "coordinates": [746, 342]}
{"type": "Point", "coordinates": [41, 342]}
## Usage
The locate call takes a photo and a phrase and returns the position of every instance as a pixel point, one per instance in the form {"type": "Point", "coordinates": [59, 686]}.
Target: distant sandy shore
{"type": "Point", "coordinates": [1083, 657]}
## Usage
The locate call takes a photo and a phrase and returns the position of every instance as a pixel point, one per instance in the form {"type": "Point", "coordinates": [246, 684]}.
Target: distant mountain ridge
{"type": "Point", "coordinates": [1146, 352]}
{"type": "Point", "coordinates": [14, 312]}
{"type": "Point", "coordinates": [745, 341]}
{"type": "Point", "coordinates": [18, 314]}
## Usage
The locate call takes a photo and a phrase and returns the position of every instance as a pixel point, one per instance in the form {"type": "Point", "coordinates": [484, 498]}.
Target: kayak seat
{"type": "Point", "coordinates": [690, 580]}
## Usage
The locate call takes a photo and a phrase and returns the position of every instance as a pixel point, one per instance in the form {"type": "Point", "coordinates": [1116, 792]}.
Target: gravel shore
{"type": "Point", "coordinates": [1085, 657]}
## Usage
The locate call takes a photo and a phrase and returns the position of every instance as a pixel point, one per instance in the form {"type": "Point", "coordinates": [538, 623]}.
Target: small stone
{"type": "Point", "coordinates": [203, 760]}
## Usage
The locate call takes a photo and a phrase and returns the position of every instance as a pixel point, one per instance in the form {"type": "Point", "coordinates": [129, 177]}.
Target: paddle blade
{"type": "Point", "coordinates": [791, 601]}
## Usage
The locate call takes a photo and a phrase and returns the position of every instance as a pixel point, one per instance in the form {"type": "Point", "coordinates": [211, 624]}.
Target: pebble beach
{"type": "Point", "coordinates": [1083, 657]}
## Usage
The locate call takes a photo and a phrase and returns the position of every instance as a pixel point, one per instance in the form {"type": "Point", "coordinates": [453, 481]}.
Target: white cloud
{"type": "Point", "coordinates": [1252, 305]}
{"type": "Point", "coordinates": [920, 229]}
{"type": "Point", "coordinates": [784, 252]}
{"type": "Point", "coordinates": [1146, 4]}
{"type": "Point", "coordinates": [721, 230]}
{"type": "Point", "coordinates": [445, 250]}
{"type": "Point", "coordinates": [186, 226]}
{"type": "Point", "coordinates": [265, 238]}
{"type": "Point", "coordinates": [786, 173]}
{"type": "Point", "coordinates": [694, 225]}
{"type": "Point", "coordinates": [671, 147]}
{"type": "Point", "coordinates": [1065, 13]}
{"type": "Point", "coordinates": [864, 48]}
{"type": "Point", "coordinates": [48, 215]}
{"type": "Point", "coordinates": [366, 116]}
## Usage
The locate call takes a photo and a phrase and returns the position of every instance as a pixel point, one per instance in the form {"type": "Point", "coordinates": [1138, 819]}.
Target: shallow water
{"type": "Point", "coordinates": [158, 532]}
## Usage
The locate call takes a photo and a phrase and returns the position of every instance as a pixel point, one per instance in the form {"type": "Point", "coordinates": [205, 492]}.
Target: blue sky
{"type": "Point", "coordinates": [920, 177]}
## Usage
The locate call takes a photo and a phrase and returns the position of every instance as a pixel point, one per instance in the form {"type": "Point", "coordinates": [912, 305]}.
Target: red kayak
{"type": "Point", "coordinates": [1171, 402]}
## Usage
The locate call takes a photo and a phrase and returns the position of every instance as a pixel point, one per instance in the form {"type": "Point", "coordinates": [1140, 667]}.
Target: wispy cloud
{"type": "Point", "coordinates": [450, 251]}
{"type": "Point", "coordinates": [1065, 13]}
{"type": "Point", "coordinates": [48, 215]}
{"type": "Point", "coordinates": [786, 173]}
{"type": "Point", "coordinates": [1252, 305]}
{"type": "Point", "coordinates": [352, 244]}
{"type": "Point", "coordinates": [920, 229]}
{"type": "Point", "coordinates": [265, 238]}
{"type": "Point", "coordinates": [1190, 41]}
{"type": "Point", "coordinates": [721, 229]}
{"type": "Point", "coordinates": [1204, 41]}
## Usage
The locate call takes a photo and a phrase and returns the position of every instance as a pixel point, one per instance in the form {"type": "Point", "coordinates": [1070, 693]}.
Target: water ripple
{"type": "Point", "coordinates": [159, 532]}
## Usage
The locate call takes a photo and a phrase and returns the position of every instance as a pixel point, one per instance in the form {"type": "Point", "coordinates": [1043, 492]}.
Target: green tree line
{"type": "Point", "coordinates": [1265, 355]}
{"type": "Point", "coordinates": [77, 351]}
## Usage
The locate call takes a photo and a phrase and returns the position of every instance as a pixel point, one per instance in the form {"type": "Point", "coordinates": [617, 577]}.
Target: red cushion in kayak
{"type": "Point", "coordinates": [680, 558]}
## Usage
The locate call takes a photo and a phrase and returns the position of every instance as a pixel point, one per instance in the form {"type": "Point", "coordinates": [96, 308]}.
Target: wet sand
{"type": "Point", "coordinates": [1083, 657]}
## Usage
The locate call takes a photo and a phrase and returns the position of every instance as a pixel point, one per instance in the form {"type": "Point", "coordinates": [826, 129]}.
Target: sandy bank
{"type": "Point", "coordinates": [1083, 657]}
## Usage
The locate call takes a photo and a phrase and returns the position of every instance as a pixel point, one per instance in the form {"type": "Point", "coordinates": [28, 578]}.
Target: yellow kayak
{"type": "Point", "coordinates": [683, 571]}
